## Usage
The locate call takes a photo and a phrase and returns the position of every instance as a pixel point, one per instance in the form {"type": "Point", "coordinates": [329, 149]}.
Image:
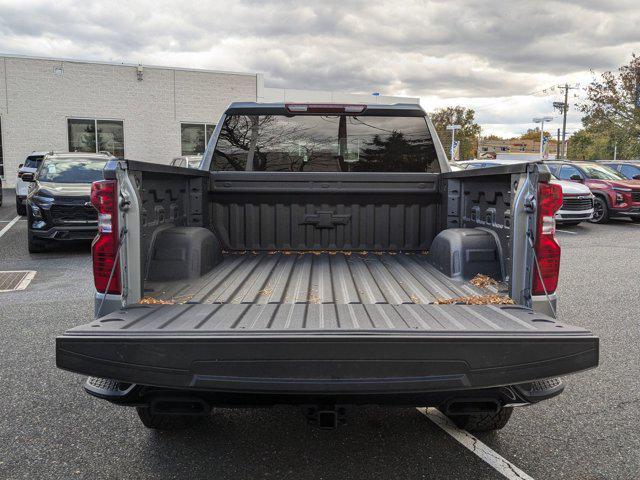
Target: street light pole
{"type": "Point", "coordinates": [541, 121]}
{"type": "Point", "coordinates": [453, 129]}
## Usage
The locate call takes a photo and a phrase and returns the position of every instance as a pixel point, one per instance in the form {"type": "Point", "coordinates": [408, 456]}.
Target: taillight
{"type": "Point", "coordinates": [104, 249]}
{"type": "Point", "coordinates": [324, 108]}
{"type": "Point", "coordinates": [546, 247]}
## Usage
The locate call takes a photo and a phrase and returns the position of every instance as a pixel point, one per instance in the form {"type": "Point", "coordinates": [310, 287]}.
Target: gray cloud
{"type": "Point", "coordinates": [454, 48]}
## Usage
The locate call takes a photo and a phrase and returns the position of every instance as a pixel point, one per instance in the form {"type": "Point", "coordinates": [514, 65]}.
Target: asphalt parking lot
{"type": "Point", "coordinates": [50, 429]}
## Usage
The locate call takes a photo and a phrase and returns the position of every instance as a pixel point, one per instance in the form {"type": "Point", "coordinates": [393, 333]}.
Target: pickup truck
{"type": "Point", "coordinates": [325, 256]}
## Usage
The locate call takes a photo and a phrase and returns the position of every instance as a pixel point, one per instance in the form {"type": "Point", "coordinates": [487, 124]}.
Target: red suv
{"type": "Point", "coordinates": [615, 196]}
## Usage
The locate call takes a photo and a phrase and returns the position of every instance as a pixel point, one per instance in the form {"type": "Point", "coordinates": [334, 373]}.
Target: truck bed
{"type": "Point", "coordinates": [365, 278]}
{"type": "Point", "coordinates": [324, 323]}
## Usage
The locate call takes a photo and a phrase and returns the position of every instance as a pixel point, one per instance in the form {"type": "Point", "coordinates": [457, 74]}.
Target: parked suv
{"type": "Point", "coordinates": [577, 199]}
{"type": "Point", "coordinates": [615, 196]}
{"type": "Point", "coordinates": [30, 165]}
{"type": "Point", "coordinates": [59, 205]}
{"type": "Point", "coordinates": [629, 169]}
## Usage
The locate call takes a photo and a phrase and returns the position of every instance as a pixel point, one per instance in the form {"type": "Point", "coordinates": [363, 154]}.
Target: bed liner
{"type": "Point", "coordinates": [318, 278]}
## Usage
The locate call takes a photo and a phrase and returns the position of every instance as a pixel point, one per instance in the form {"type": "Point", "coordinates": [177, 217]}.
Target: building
{"type": "Point", "coordinates": [141, 112]}
{"type": "Point", "coordinates": [514, 148]}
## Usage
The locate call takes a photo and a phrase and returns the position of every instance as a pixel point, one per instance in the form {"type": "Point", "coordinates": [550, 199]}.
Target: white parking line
{"type": "Point", "coordinates": [9, 225]}
{"type": "Point", "coordinates": [501, 464]}
{"type": "Point", "coordinates": [566, 231]}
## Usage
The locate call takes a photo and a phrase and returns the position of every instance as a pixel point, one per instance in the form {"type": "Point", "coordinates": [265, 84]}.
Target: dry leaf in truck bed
{"type": "Point", "coordinates": [477, 300]}
{"type": "Point", "coordinates": [483, 281]}
{"type": "Point", "coordinates": [154, 301]}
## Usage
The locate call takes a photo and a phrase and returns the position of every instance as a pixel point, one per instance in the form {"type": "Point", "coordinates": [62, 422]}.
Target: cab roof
{"type": "Point", "coordinates": [316, 108]}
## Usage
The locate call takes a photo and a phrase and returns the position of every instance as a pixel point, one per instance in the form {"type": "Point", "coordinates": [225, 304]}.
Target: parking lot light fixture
{"type": "Point", "coordinates": [453, 129]}
{"type": "Point", "coordinates": [541, 121]}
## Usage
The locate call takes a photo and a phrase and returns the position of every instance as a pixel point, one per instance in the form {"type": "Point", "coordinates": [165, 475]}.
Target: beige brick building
{"type": "Point", "coordinates": [145, 113]}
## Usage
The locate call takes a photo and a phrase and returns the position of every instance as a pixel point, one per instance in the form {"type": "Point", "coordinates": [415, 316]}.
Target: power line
{"type": "Point", "coordinates": [546, 91]}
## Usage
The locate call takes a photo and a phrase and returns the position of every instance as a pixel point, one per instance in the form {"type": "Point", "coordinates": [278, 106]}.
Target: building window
{"type": "Point", "coordinates": [92, 136]}
{"type": "Point", "coordinates": [1, 156]}
{"type": "Point", "coordinates": [195, 137]}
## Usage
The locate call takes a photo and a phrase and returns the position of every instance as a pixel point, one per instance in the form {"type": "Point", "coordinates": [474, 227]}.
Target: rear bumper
{"type": "Point", "coordinates": [128, 394]}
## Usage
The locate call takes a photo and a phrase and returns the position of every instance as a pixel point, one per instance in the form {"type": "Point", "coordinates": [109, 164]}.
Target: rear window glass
{"type": "Point", "coordinates": [33, 161]}
{"type": "Point", "coordinates": [72, 170]}
{"type": "Point", "coordinates": [325, 143]}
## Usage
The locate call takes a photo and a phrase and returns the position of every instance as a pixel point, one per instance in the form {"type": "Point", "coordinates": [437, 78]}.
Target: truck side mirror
{"type": "Point", "coordinates": [575, 177]}
{"type": "Point", "coordinates": [28, 177]}
{"type": "Point", "coordinates": [20, 166]}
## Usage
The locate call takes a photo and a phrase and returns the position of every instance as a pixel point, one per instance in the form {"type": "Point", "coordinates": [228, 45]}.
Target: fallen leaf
{"type": "Point", "coordinates": [482, 281]}
{"type": "Point", "coordinates": [477, 300]}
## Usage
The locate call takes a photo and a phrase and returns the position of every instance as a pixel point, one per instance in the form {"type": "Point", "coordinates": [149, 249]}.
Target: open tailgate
{"type": "Point", "coordinates": [326, 348]}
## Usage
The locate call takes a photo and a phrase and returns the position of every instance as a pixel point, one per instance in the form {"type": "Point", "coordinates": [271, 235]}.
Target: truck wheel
{"type": "Point", "coordinates": [483, 422]}
{"type": "Point", "coordinates": [166, 422]}
{"type": "Point", "coordinates": [35, 245]}
{"type": "Point", "coordinates": [600, 211]}
{"type": "Point", "coordinates": [21, 208]}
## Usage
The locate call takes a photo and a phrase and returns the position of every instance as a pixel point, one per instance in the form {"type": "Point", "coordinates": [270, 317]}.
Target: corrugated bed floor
{"type": "Point", "coordinates": [318, 278]}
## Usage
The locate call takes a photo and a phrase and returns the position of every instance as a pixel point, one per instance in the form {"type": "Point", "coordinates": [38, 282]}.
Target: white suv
{"type": "Point", "coordinates": [30, 165]}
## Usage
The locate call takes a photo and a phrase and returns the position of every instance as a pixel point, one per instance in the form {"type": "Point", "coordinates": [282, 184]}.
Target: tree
{"type": "Point", "coordinates": [493, 137]}
{"type": "Point", "coordinates": [611, 115]}
{"type": "Point", "coordinates": [534, 134]}
{"type": "Point", "coordinates": [468, 134]}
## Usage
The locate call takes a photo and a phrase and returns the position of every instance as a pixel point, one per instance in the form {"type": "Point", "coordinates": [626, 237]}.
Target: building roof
{"type": "Point", "coordinates": [122, 64]}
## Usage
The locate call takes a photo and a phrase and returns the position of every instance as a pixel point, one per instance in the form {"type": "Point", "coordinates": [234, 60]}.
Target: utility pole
{"type": "Point", "coordinates": [564, 119]}
{"type": "Point", "coordinates": [564, 107]}
{"type": "Point", "coordinates": [637, 89]}
{"type": "Point", "coordinates": [558, 146]}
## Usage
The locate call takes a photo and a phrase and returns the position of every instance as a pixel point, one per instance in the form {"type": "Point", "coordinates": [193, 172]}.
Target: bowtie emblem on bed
{"type": "Point", "coordinates": [326, 219]}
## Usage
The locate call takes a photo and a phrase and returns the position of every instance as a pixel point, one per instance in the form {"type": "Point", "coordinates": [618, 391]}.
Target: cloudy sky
{"type": "Point", "coordinates": [500, 57]}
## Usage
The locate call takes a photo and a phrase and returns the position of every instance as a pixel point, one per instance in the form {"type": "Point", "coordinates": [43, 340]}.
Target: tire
{"type": "Point", "coordinates": [600, 211]}
{"type": "Point", "coordinates": [35, 245]}
{"type": "Point", "coordinates": [166, 422]}
{"type": "Point", "coordinates": [483, 422]}
{"type": "Point", "coordinates": [21, 208]}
